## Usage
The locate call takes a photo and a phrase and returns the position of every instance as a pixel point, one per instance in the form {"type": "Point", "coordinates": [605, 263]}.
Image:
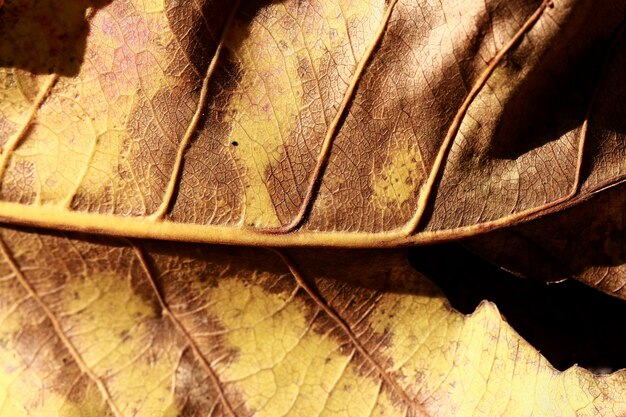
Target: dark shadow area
{"type": "Point", "coordinates": [605, 152]}
{"type": "Point", "coordinates": [555, 95]}
{"type": "Point", "coordinates": [579, 77]}
{"type": "Point", "coordinates": [45, 37]}
{"type": "Point", "coordinates": [370, 269]}
{"type": "Point", "coordinates": [558, 93]}
{"type": "Point", "coordinates": [569, 322]}
{"type": "Point", "coordinates": [586, 241]}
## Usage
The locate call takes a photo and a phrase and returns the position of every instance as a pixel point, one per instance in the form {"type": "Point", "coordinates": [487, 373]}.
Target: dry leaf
{"type": "Point", "coordinates": [116, 329]}
{"type": "Point", "coordinates": [326, 122]}
{"type": "Point", "coordinates": [318, 122]}
{"type": "Point", "coordinates": [586, 241]}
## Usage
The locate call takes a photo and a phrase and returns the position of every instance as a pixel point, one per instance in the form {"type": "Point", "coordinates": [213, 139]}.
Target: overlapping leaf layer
{"type": "Point", "coordinates": [354, 123]}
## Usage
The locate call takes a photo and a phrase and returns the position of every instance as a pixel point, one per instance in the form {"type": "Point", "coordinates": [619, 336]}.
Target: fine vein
{"type": "Point", "coordinates": [194, 347]}
{"type": "Point", "coordinates": [327, 144]}
{"type": "Point", "coordinates": [191, 129]}
{"type": "Point", "coordinates": [427, 190]}
{"type": "Point", "coordinates": [56, 325]}
{"type": "Point", "coordinates": [14, 141]}
{"type": "Point", "coordinates": [42, 95]}
{"type": "Point", "coordinates": [506, 220]}
{"type": "Point", "coordinates": [302, 282]}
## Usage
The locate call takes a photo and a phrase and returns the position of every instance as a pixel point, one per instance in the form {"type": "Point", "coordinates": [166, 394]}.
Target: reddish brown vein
{"type": "Point", "coordinates": [427, 190]}
{"type": "Point", "coordinates": [331, 132]}
{"type": "Point", "coordinates": [194, 347]}
{"type": "Point", "coordinates": [579, 162]}
{"type": "Point", "coordinates": [191, 129]}
{"type": "Point", "coordinates": [302, 282]}
{"type": "Point", "coordinates": [56, 325]}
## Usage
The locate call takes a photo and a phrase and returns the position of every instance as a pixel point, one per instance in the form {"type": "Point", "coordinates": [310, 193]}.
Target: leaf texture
{"type": "Point", "coordinates": [355, 123]}
{"type": "Point", "coordinates": [346, 123]}
{"type": "Point", "coordinates": [116, 329]}
{"type": "Point", "coordinates": [585, 242]}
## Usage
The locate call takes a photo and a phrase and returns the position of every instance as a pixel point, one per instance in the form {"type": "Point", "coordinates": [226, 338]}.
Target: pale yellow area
{"type": "Point", "coordinates": [289, 45]}
{"type": "Point", "coordinates": [153, 6]}
{"type": "Point", "coordinates": [10, 321]}
{"type": "Point", "coordinates": [18, 89]}
{"type": "Point", "coordinates": [502, 83]}
{"type": "Point", "coordinates": [57, 150]}
{"type": "Point", "coordinates": [111, 328]}
{"type": "Point", "coordinates": [283, 366]}
{"type": "Point", "coordinates": [417, 346]}
{"type": "Point", "coordinates": [477, 365]}
{"type": "Point", "coordinates": [365, 399]}
{"type": "Point", "coordinates": [79, 138]}
{"type": "Point", "coordinates": [399, 178]}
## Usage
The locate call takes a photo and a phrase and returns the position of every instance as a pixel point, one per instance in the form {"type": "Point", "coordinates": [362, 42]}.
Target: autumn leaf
{"type": "Point", "coordinates": [338, 123]}
{"type": "Point", "coordinates": [586, 242]}
{"type": "Point", "coordinates": [116, 329]}
{"type": "Point", "coordinates": [345, 123]}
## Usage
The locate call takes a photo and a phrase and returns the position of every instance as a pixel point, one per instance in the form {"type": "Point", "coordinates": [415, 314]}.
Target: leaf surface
{"type": "Point", "coordinates": [586, 242]}
{"type": "Point", "coordinates": [327, 122]}
{"type": "Point", "coordinates": [116, 329]}
{"type": "Point", "coordinates": [320, 123]}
